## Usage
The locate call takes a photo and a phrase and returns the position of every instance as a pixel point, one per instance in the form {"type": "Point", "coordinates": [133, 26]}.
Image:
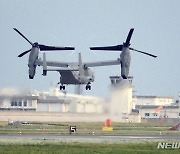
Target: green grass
{"type": "Point", "coordinates": [84, 149]}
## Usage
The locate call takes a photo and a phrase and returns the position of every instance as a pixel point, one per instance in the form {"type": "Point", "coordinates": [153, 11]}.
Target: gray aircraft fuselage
{"type": "Point", "coordinates": [73, 77]}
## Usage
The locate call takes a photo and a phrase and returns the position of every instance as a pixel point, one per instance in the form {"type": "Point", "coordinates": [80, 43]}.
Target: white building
{"type": "Point", "coordinates": [23, 103]}
{"type": "Point", "coordinates": [154, 107]}
{"type": "Point", "coordinates": [150, 111]}
{"type": "Point", "coordinates": [53, 101]}
{"type": "Point", "coordinates": [153, 100]}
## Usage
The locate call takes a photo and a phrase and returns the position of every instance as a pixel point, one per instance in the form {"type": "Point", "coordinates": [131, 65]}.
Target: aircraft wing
{"type": "Point", "coordinates": [62, 69]}
{"type": "Point", "coordinates": [58, 69]}
{"type": "Point", "coordinates": [103, 63]}
{"type": "Point", "coordinates": [52, 63]}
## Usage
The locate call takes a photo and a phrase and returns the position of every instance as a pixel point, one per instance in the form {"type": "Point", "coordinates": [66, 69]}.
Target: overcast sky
{"type": "Point", "coordinates": [85, 23]}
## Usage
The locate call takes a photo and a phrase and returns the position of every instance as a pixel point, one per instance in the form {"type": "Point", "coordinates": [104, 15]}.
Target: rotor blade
{"type": "Point", "coordinates": [143, 52]}
{"type": "Point", "coordinates": [110, 48]}
{"type": "Point", "coordinates": [49, 48]}
{"type": "Point", "coordinates": [127, 43]}
{"type": "Point", "coordinates": [23, 36]}
{"type": "Point", "coordinates": [25, 52]}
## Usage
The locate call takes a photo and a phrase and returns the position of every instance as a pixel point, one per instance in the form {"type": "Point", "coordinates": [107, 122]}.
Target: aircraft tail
{"type": "Point", "coordinates": [80, 65]}
{"type": "Point", "coordinates": [44, 65]}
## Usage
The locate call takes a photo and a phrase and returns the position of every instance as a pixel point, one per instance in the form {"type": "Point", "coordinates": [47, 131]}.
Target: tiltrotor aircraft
{"type": "Point", "coordinates": [75, 73]}
{"type": "Point", "coordinates": [125, 57]}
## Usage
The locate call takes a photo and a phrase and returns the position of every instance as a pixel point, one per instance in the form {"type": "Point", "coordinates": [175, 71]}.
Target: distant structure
{"type": "Point", "coordinates": [58, 106]}
{"type": "Point", "coordinates": [155, 107]}
{"type": "Point", "coordinates": [153, 100]}
{"type": "Point", "coordinates": [115, 80]}
{"type": "Point", "coordinates": [121, 103]}
{"type": "Point", "coordinates": [52, 101]}
{"type": "Point", "coordinates": [124, 107]}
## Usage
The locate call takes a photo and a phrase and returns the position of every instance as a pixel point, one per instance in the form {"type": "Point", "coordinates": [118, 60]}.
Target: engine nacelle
{"type": "Point", "coordinates": [32, 72]}
{"type": "Point", "coordinates": [124, 73]}
{"type": "Point", "coordinates": [125, 70]}
{"type": "Point", "coordinates": [33, 56]}
{"type": "Point", "coordinates": [125, 63]}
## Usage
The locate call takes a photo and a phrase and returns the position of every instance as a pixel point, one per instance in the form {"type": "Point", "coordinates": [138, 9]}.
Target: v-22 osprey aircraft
{"type": "Point", "coordinates": [78, 72]}
{"type": "Point", "coordinates": [74, 73]}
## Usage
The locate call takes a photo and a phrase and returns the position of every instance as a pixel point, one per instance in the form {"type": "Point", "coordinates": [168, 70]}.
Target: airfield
{"type": "Point", "coordinates": [109, 139]}
{"type": "Point", "coordinates": [49, 131]}
{"type": "Point", "coordinates": [91, 132]}
{"type": "Point", "coordinates": [54, 137]}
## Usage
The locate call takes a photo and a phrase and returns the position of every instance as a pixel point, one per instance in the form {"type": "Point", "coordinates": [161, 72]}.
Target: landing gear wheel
{"type": "Point", "coordinates": [88, 87]}
{"type": "Point", "coordinates": [62, 87]}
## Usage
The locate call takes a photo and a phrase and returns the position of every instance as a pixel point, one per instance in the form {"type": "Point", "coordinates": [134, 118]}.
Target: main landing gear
{"type": "Point", "coordinates": [88, 86]}
{"type": "Point", "coordinates": [62, 87]}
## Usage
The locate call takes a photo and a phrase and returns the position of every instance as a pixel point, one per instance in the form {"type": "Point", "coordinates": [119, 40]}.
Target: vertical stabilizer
{"type": "Point", "coordinates": [44, 65]}
{"type": "Point", "coordinates": [80, 65]}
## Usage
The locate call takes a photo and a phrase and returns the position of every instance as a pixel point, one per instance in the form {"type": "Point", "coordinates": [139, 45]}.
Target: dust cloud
{"type": "Point", "coordinates": [10, 91]}
{"type": "Point", "coordinates": [121, 99]}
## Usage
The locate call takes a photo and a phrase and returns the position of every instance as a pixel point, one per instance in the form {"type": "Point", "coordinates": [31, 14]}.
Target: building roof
{"type": "Point", "coordinates": [151, 96]}
{"type": "Point", "coordinates": [19, 97]}
{"type": "Point", "coordinates": [156, 106]}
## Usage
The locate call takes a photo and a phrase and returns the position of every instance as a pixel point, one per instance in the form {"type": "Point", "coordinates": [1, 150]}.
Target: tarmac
{"type": "Point", "coordinates": [109, 139]}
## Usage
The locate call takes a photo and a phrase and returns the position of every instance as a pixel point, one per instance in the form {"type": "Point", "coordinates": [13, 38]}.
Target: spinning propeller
{"type": "Point", "coordinates": [40, 46]}
{"type": "Point", "coordinates": [124, 45]}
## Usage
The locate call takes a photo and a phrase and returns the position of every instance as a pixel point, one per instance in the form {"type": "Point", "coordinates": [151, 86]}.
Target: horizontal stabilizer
{"type": "Point", "coordinates": [109, 48]}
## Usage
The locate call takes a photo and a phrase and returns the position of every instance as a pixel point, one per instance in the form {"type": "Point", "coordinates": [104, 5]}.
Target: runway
{"type": "Point", "coordinates": [74, 137]}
